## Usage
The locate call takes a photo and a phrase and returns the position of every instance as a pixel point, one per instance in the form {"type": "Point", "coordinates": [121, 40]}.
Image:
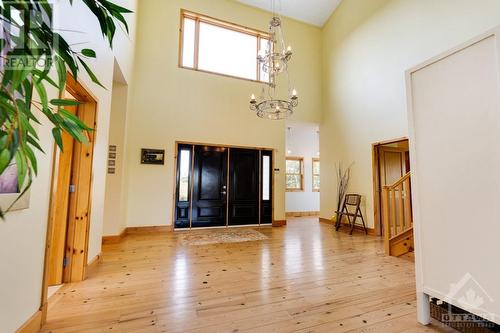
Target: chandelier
{"type": "Point", "coordinates": [274, 62]}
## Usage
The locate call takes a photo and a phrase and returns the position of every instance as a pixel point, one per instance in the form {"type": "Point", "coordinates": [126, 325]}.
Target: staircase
{"type": "Point", "coordinates": [397, 217]}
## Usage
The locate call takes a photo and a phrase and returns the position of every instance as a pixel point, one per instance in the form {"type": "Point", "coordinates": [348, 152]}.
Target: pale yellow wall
{"type": "Point", "coordinates": [169, 103]}
{"type": "Point", "coordinates": [365, 97]}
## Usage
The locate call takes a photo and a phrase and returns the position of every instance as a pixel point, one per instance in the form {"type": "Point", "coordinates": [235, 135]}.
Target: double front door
{"type": "Point", "coordinates": [222, 186]}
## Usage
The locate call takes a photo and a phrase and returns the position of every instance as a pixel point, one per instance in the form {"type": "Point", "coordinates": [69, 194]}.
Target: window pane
{"type": "Point", "coordinates": [293, 166]}
{"type": "Point", "coordinates": [227, 52]}
{"type": "Point", "coordinates": [316, 182]}
{"type": "Point", "coordinates": [184, 169]}
{"type": "Point", "coordinates": [266, 177]}
{"type": "Point", "coordinates": [188, 43]}
{"type": "Point", "coordinates": [264, 46]}
{"type": "Point", "coordinates": [316, 167]}
{"type": "Point", "coordinates": [293, 182]}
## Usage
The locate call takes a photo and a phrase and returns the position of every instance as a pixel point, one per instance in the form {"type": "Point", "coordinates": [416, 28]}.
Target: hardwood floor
{"type": "Point", "coordinates": [304, 278]}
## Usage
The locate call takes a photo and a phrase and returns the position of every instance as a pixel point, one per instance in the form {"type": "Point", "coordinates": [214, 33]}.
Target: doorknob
{"type": "Point", "coordinates": [223, 192]}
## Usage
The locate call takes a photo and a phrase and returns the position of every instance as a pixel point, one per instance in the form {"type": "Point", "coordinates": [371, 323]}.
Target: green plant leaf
{"type": "Point", "coordinates": [5, 158]}
{"type": "Point", "coordinates": [64, 102]}
{"type": "Point", "coordinates": [32, 141]}
{"type": "Point", "coordinates": [89, 53]}
{"type": "Point", "coordinates": [31, 157]}
{"type": "Point", "coordinates": [90, 73]}
{"type": "Point", "coordinates": [42, 93]}
{"type": "Point", "coordinates": [75, 119]}
{"type": "Point", "coordinates": [21, 168]}
{"type": "Point", "coordinates": [61, 72]}
{"type": "Point", "coordinates": [56, 133]}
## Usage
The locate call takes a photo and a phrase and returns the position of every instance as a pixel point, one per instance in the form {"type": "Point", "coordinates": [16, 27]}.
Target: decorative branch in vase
{"type": "Point", "coordinates": [343, 177]}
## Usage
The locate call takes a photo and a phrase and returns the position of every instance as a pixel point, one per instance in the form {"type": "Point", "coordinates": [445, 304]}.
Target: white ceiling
{"type": "Point", "coordinates": [315, 12]}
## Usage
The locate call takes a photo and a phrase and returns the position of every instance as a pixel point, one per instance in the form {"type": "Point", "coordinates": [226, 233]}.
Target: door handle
{"type": "Point", "coordinates": [223, 192]}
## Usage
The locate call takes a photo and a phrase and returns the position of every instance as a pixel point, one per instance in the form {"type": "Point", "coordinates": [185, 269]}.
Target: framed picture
{"type": "Point", "coordinates": [9, 190]}
{"type": "Point", "coordinates": [152, 156]}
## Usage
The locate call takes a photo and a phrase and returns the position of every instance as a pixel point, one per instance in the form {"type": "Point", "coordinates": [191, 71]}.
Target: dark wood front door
{"type": "Point", "coordinates": [209, 186]}
{"type": "Point", "coordinates": [223, 186]}
{"type": "Point", "coordinates": [243, 186]}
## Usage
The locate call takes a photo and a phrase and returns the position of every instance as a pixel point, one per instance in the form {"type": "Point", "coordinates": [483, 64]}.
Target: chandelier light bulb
{"type": "Point", "coordinates": [294, 93]}
{"type": "Point", "coordinates": [289, 48]}
{"type": "Point", "coordinates": [252, 97]}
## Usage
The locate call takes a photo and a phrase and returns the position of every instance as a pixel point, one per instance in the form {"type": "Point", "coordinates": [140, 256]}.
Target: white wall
{"type": "Point", "coordinates": [365, 98]}
{"type": "Point", "coordinates": [302, 140]}
{"type": "Point", "coordinates": [23, 234]}
{"type": "Point", "coordinates": [114, 212]}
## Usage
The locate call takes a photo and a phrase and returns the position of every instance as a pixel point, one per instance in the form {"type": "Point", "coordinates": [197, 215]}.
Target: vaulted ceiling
{"type": "Point", "coordinates": [315, 12]}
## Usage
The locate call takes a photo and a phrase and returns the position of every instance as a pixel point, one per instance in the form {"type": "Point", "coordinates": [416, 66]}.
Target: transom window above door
{"type": "Point", "coordinates": [219, 47]}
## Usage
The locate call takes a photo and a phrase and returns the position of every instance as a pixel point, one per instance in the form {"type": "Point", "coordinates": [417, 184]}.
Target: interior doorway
{"type": "Point", "coordinates": [70, 203]}
{"type": "Point", "coordinates": [391, 161]}
{"type": "Point", "coordinates": [222, 186]}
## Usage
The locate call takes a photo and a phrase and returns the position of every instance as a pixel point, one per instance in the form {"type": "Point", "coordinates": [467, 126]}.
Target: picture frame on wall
{"type": "Point", "coordinates": [10, 191]}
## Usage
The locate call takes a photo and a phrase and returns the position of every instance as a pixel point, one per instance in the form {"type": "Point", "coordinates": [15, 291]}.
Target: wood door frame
{"type": "Point", "coordinates": [174, 197]}
{"type": "Point", "coordinates": [377, 199]}
{"type": "Point", "coordinates": [88, 104]}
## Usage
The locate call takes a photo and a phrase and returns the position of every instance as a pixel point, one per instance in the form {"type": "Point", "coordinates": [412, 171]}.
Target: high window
{"type": "Point", "coordinates": [214, 46]}
{"type": "Point", "coordinates": [294, 174]}
{"type": "Point", "coordinates": [315, 175]}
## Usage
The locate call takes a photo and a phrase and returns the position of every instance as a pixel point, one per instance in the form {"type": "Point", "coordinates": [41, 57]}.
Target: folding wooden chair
{"type": "Point", "coordinates": [351, 200]}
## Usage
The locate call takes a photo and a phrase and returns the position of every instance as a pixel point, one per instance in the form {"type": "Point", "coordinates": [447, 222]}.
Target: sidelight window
{"type": "Point", "coordinates": [214, 46]}
{"type": "Point", "coordinates": [315, 175]}
{"type": "Point", "coordinates": [266, 177]}
{"type": "Point", "coordinates": [184, 169]}
{"type": "Point", "coordinates": [294, 174]}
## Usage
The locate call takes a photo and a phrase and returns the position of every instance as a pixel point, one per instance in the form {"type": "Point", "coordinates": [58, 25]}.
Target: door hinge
{"type": "Point", "coordinates": [72, 188]}
{"type": "Point", "coordinates": [65, 261]}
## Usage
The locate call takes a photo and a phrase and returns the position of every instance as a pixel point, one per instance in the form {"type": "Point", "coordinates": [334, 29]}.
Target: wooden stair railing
{"type": "Point", "coordinates": [397, 216]}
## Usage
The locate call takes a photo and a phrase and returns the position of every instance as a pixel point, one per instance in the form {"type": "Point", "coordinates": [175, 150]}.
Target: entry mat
{"type": "Point", "coordinates": [216, 236]}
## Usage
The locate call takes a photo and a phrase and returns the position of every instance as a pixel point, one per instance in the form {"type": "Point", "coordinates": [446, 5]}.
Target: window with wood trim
{"type": "Point", "coordinates": [315, 175]}
{"type": "Point", "coordinates": [214, 46]}
{"type": "Point", "coordinates": [294, 174]}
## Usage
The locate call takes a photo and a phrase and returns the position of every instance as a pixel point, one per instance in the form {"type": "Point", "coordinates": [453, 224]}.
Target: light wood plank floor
{"type": "Point", "coordinates": [304, 278]}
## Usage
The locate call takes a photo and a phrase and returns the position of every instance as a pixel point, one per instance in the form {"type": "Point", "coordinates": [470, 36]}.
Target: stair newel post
{"type": "Point", "coordinates": [385, 219]}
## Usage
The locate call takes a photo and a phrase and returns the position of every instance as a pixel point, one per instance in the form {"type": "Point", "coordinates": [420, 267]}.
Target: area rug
{"type": "Point", "coordinates": [216, 236]}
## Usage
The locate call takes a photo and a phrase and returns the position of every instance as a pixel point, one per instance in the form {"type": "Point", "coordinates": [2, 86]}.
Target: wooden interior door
{"type": "Point", "coordinates": [243, 186]}
{"type": "Point", "coordinates": [393, 164]}
{"type": "Point", "coordinates": [209, 200]}
{"type": "Point", "coordinates": [79, 201]}
{"type": "Point", "coordinates": [61, 190]}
